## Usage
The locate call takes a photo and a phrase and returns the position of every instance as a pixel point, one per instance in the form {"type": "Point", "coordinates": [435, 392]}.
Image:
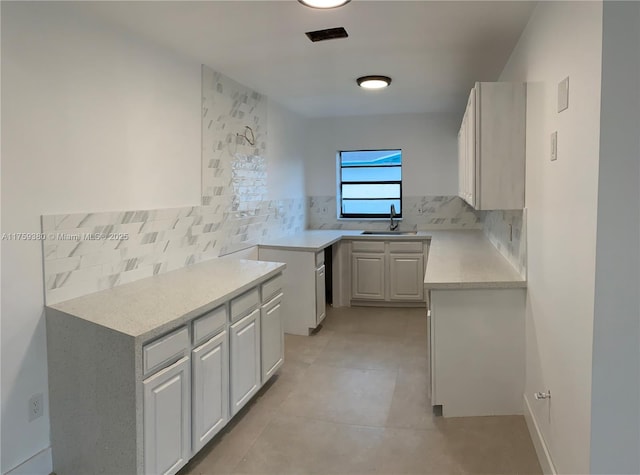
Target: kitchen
{"type": "Point", "coordinates": [102, 116]}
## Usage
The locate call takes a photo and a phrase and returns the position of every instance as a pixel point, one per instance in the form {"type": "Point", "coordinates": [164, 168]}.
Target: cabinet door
{"type": "Point", "coordinates": [470, 132]}
{"type": "Point", "coordinates": [321, 299]}
{"type": "Point", "coordinates": [245, 360]}
{"type": "Point", "coordinates": [367, 277]}
{"type": "Point", "coordinates": [462, 161]}
{"type": "Point", "coordinates": [430, 352]}
{"type": "Point", "coordinates": [167, 422]}
{"type": "Point", "coordinates": [272, 337]}
{"type": "Point", "coordinates": [210, 408]}
{"type": "Point", "coordinates": [407, 276]}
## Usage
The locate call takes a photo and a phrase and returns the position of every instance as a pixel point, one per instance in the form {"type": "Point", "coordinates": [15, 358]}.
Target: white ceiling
{"type": "Point", "coordinates": [434, 51]}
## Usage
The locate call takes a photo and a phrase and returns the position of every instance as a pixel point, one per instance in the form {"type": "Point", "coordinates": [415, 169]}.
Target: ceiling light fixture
{"type": "Point", "coordinates": [373, 82]}
{"type": "Point", "coordinates": [324, 4]}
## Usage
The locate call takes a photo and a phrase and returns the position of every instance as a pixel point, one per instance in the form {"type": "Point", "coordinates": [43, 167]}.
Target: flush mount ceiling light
{"type": "Point", "coordinates": [324, 3]}
{"type": "Point", "coordinates": [373, 82]}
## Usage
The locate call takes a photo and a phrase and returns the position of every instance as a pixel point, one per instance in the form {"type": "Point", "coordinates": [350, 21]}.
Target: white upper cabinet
{"type": "Point", "coordinates": [491, 147]}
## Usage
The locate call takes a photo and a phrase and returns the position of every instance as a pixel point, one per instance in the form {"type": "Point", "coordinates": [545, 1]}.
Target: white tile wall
{"type": "Point", "coordinates": [511, 243]}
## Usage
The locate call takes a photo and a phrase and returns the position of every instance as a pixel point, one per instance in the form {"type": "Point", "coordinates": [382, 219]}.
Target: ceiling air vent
{"type": "Point", "coordinates": [329, 34]}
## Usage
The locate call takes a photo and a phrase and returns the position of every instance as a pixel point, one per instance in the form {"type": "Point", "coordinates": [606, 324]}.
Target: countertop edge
{"type": "Point", "coordinates": [476, 285]}
{"type": "Point", "coordinates": [285, 247]}
{"type": "Point", "coordinates": [346, 235]}
{"type": "Point", "coordinates": [383, 237]}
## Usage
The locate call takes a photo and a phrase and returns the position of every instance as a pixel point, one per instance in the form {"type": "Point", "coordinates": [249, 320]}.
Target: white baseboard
{"type": "Point", "coordinates": [544, 456]}
{"type": "Point", "coordinates": [40, 464]}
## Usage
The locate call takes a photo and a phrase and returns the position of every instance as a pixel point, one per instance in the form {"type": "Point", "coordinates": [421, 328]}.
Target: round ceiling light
{"type": "Point", "coordinates": [374, 82]}
{"type": "Point", "coordinates": [324, 3]}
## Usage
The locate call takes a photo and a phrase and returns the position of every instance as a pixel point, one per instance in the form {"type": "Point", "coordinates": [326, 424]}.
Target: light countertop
{"type": "Point", "coordinates": [456, 260]}
{"type": "Point", "coordinates": [317, 240]}
{"type": "Point", "coordinates": [312, 240]}
{"type": "Point", "coordinates": [152, 306]}
{"type": "Point", "coordinates": [467, 260]}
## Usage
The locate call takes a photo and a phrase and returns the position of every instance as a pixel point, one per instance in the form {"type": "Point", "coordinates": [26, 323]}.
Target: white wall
{"type": "Point", "coordinates": [615, 409]}
{"type": "Point", "coordinates": [285, 150]}
{"type": "Point", "coordinates": [93, 119]}
{"type": "Point", "coordinates": [428, 143]}
{"type": "Point", "coordinates": [562, 39]}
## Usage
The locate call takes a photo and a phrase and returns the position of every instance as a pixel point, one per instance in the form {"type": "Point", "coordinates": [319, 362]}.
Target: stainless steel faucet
{"type": "Point", "coordinates": [392, 213]}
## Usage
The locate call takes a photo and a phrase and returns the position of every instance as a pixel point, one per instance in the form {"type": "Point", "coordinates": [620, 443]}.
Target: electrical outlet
{"type": "Point", "coordinates": [36, 406]}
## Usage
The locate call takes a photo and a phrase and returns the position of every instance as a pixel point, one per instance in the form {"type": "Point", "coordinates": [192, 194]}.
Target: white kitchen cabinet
{"type": "Point", "coordinates": [171, 391]}
{"type": "Point", "coordinates": [272, 344]}
{"type": "Point", "coordinates": [245, 377]}
{"type": "Point", "coordinates": [406, 280]}
{"type": "Point", "coordinates": [368, 276]}
{"type": "Point", "coordinates": [167, 422]}
{"type": "Point", "coordinates": [210, 403]}
{"type": "Point", "coordinates": [429, 352]}
{"type": "Point", "coordinates": [305, 305]}
{"type": "Point", "coordinates": [321, 301]}
{"type": "Point", "coordinates": [476, 348]}
{"type": "Point", "coordinates": [470, 156]}
{"type": "Point", "coordinates": [390, 271]}
{"type": "Point", "coordinates": [491, 147]}
{"type": "Point", "coordinates": [462, 159]}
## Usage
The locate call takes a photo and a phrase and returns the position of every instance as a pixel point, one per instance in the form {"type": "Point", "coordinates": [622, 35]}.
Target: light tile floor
{"type": "Point", "coordinates": [352, 399]}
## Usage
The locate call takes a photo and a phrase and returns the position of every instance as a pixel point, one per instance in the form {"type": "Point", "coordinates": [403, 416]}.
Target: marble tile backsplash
{"type": "Point", "coordinates": [234, 143]}
{"type": "Point", "coordinates": [85, 253]}
{"type": "Point", "coordinates": [96, 251]}
{"type": "Point", "coordinates": [507, 232]}
{"type": "Point", "coordinates": [419, 213]}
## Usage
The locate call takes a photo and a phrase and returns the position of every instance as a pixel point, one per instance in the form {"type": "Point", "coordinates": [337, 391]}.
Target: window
{"type": "Point", "coordinates": [370, 182]}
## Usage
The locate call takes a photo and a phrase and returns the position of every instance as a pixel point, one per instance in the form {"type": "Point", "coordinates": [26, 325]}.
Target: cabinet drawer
{"type": "Point", "coordinates": [243, 304]}
{"type": "Point", "coordinates": [272, 287]}
{"type": "Point", "coordinates": [209, 324]}
{"type": "Point", "coordinates": [367, 246]}
{"type": "Point", "coordinates": [319, 258]}
{"type": "Point", "coordinates": [405, 246]}
{"type": "Point", "coordinates": [164, 350]}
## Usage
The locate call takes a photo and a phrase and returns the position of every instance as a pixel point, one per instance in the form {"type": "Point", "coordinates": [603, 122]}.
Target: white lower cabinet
{"type": "Point", "coordinates": [388, 271]}
{"type": "Point", "coordinates": [476, 350]}
{"type": "Point", "coordinates": [245, 375]}
{"type": "Point", "coordinates": [407, 276]}
{"type": "Point", "coordinates": [210, 407]}
{"type": "Point", "coordinates": [167, 419]}
{"type": "Point", "coordinates": [178, 382]}
{"type": "Point", "coordinates": [272, 344]}
{"type": "Point", "coordinates": [304, 306]}
{"type": "Point", "coordinates": [321, 299]}
{"type": "Point", "coordinates": [368, 276]}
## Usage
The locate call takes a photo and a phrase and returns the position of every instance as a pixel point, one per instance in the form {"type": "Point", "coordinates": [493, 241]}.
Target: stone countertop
{"type": "Point", "coordinates": [312, 240]}
{"type": "Point", "coordinates": [463, 259]}
{"type": "Point", "coordinates": [150, 307]}
{"type": "Point", "coordinates": [317, 240]}
{"type": "Point", "coordinates": [467, 260]}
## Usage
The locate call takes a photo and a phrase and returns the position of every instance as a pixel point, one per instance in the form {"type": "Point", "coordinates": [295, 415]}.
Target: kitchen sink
{"type": "Point", "coordinates": [390, 233]}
